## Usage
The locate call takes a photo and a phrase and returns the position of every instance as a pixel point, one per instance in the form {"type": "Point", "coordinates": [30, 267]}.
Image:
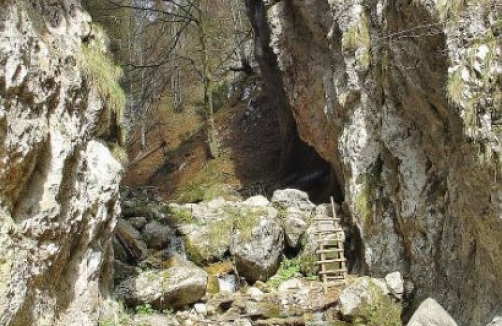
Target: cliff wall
{"type": "Point", "coordinates": [403, 98]}
{"type": "Point", "coordinates": [58, 181]}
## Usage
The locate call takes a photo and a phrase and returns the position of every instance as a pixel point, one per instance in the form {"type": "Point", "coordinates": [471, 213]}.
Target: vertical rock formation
{"type": "Point", "coordinates": [58, 183]}
{"type": "Point", "coordinates": [403, 98]}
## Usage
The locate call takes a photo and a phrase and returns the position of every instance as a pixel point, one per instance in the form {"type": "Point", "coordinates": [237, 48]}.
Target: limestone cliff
{"type": "Point", "coordinates": [58, 183]}
{"type": "Point", "coordinates": [403, 98]}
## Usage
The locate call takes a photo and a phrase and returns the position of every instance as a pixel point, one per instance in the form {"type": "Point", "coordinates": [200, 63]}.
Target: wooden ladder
{"type": "Point", "coordinates": [329, 236]}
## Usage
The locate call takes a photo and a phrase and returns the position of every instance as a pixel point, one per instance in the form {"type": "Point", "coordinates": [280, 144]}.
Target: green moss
{"type": "Point", "coordinates": [380, 311]}
{"type": "Point", "coordinates": [359, 37]}
{"type": "Point", "coordinates": [193, 253]}
{"type": "Point", "coordinates": [247, 219]}
{"type": "Point", "coordinates": [180, 214]}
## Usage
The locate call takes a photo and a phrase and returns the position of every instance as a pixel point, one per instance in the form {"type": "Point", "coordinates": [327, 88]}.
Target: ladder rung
{"type": "Point", "coordinates": [331, 261]}
{"type": "Point", "coordinates": [343, 270]}
{"type": "Point", "coordinates": [328, 250]}
{"type": "Point", "coordinates": [326, 240]}
{"type": "Point", "coordinates": [335, 277]}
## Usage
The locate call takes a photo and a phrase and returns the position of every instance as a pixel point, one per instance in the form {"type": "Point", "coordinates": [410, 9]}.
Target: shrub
{"type": "Point", "coordinates": [288, 269]}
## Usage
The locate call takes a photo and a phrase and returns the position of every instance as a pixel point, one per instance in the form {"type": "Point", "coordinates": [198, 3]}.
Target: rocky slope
{"type": "Point", "coordinates": [58, 183]}
{"type": "Point", "coordinates": [403, 98]}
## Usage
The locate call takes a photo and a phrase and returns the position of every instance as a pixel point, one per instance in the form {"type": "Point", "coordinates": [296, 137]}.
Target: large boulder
{"type": "Point", "coordinates": [363, 290]}
{"type": "Point", "coordinates": [293, 198]}
{"type": "Point", "coordinates": [430, 313]}
{"type": "Point", "coordinates": [157, 235]}
{"type": "Point", "coordinates": [180, 284]}
{"type": "Point", "coordinates": [258, 243]}
{"type": "Point", "coordinates": [209, 236]}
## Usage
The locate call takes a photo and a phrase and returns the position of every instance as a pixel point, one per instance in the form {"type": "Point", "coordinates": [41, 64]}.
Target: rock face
{"type": "Point", "coordinates": [58, 184]}
{"type": "Point", "coordinates": [430, 313]}
{"type": "Point", "coordinates": [403, 100]}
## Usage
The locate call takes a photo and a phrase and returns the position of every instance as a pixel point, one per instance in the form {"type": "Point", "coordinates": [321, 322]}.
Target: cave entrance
{"type": "Point", "coordinates": [306, 170]}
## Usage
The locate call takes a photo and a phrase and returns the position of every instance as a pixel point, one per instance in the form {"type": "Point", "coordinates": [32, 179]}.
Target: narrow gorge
{"type": "Point", "coordinates": [148, 150]}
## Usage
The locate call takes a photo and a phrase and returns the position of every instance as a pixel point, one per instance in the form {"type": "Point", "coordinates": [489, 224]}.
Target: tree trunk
{"type": "Point", "coordinates": [212, 136]}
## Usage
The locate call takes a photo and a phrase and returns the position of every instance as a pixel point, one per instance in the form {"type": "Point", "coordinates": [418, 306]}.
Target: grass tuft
{"type": "Point", "coordinates": [104, 75]}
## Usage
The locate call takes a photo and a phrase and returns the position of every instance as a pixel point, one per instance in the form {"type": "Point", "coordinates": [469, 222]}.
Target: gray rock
{"type": "Point", "coordinates": [430, 313]}
{"type": "Point", "coordinates": [181, 284]}
{"type": "Point", "coordinates": [157, 235]}
{"type": "Point", "coordinates": [258, 201]}
{"type": "Point", "coordinates": [293, 198]}
{"type": "Point", "coordinates": [155, 320]}
{"type": "Point", "coordinates": [295, 226]}
{"type": "Point", "coordinates": [289, 285]}
{"type": "Point", "coordinates": [359, 292]}
{"type": "Point", "coordinates": [257, 243]}
{"type": "Point", "coordinates": [497, 321]}
{"type": "Point", "coordinates": [138, 222]}
{"type": "Point", "coordinates": [201, 309]}
{"type": "Point", "coordinates": [395, 283]}
{"type": "Point", "coordinates": [130, 241]}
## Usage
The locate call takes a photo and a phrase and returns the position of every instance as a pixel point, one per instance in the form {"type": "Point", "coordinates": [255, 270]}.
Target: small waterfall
{"type": "Point", "coordinates": [177, 244]}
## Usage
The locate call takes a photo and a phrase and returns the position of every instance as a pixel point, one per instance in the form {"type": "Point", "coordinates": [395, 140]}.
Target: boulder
{"type": "Point", "coordinates": [430, 313]}
{"type": "Point", "coordinates": [295, 225]}
{"type": "Point", "coordinates": [157, 235]}
{"type": "Point", "coordinates": [121, 271]}
{"type": "Point", "coordinates": [182, 283]}
{"type": "Point", "coordinates": [128, 243]}
{"type": "Point", "coordinates": [497, 321]}
{"type": "Point", "coordinates": [293, 198]}
{"type": "Point", "coordinates": [209, 237]}
{"type": "Point", "coordinates": [258, 243]}
{"type": "Point", "coordinates": [361, 291]}
{"type": "Point", "coordinates": [395, 283]}
{"type": "Point", "coordinates": [258, 201]}
{"type": "Point", "coordinates": [138, 222]}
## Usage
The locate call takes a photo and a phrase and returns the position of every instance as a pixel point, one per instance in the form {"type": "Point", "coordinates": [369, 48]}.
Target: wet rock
{"type": "Point", "coordinates": [138, 222]}
{"type": "Point", "coordinates": [395, 283]}
{"type": "Point", "coordinates": [129, 244]}
{"type": "Point", "coordinates": [359, 292]}
{"type": "Point", "coordinates": [121, 271]}
{"type": "Point", "coordinates": [157, 235]}
{"type": "Point", "coordinates": [257, 244]}
{"type": "Point", "coordinates": [430, 313]}
{"type": "Point", "coordinates": [181, 284]}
